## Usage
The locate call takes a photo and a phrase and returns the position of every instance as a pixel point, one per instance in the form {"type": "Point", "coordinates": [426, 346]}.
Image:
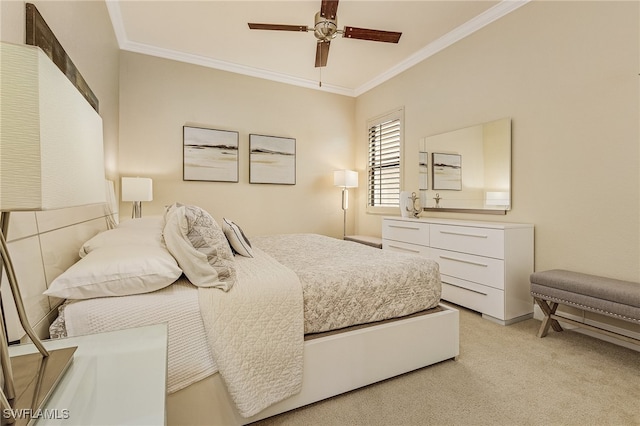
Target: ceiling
{"type": "Point", "coordinates": [215, 34]}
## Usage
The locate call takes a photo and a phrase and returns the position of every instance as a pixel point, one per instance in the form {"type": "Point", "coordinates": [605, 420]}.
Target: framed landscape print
{"type": "Point", "coordinates": [423, 169]}
{"type": "Point", "coordinates": [447, 171]}
{"type": "Point", "coordinates": [272, 159]}
{"type": "Point", "coordinates": [210, 155]}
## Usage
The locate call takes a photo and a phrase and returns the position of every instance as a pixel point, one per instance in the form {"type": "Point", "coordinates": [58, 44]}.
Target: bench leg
{"type": "Point", "coordinates": [548, 310]}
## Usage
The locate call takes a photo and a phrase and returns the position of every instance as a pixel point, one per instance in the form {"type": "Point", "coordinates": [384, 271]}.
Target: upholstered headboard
{"type": "Point", "coordinates": [42, 245]}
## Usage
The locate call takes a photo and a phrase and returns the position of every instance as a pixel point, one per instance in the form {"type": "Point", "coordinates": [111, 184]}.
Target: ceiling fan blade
{"type": "Point", "coordinates": [329, 9]}
{"type": "Point", "coordinates": [322, 53]}
{"type": "Point", "coordinates": [277, 27]}
{"type": "Point", "coordinates": [372, 35]}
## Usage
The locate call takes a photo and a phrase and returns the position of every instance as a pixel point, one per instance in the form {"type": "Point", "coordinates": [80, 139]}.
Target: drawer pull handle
{"type": "Point", "coordinates": [484, 265]}
{"type": "Point", "coordinates": [464, 234]}
{"type": "Point", "coordinates": [403, 249]}
{"type": "Point", "coordinates": [413, 228]}
{"type": "Point", "coordinates": [468, 289]}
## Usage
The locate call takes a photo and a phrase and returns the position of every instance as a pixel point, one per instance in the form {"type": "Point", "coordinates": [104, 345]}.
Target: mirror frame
{"type": "Point", "coordinates": [496, 211]}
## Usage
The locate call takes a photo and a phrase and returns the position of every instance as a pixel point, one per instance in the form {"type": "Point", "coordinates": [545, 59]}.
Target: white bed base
{"type": "Point", "coordinates": [333, 364]}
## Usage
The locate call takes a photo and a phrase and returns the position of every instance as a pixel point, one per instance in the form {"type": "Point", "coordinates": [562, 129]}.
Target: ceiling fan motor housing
{"type": "Point", "coordinates": [325, 29]}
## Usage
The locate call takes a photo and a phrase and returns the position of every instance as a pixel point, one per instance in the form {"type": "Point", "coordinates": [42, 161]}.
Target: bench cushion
{"type": "Point", "coordinates": [605, 295]}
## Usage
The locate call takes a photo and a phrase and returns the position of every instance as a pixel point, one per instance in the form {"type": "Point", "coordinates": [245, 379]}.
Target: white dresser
{"type": "Point", "coordinates": [485, 266]}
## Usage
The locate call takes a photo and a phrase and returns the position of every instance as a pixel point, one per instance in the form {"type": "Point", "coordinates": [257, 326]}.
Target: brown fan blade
{"type": "Point", "coordinates": [277, 27]}
{"type": "Point", "coordinates": [322, 53]}
{"type": "Point", "coordinates": [372, 35]}
{"type": "Point", "coordinates": [329, 9]}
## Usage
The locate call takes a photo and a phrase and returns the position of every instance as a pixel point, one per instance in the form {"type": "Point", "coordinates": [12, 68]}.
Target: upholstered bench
{"type": "Point", "coordinates": [615, 298]}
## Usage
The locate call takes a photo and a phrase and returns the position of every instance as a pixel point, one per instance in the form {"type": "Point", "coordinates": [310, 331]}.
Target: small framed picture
{"type": "Point", "coordinates": [210, 155]}
{"type": "Point", "coordinates": [272, 159]}
{"type": "Point", "coordinates": [447, 171]}
{"type": "Point", "coordinates": [423, 169]}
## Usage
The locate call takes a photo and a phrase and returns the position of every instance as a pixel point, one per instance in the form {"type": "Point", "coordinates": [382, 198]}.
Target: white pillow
{"type": "Point", "coordinates": [238, 241]}
{"type": "Point", "coordinates": [124, 236]}
{"type": "Point", "coordinates": [117, 271]}
{"type": "Point", "coordinates": [198, 244]}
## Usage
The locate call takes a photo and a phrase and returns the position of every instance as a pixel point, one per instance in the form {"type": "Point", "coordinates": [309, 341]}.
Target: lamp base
{"type": "Point", "coordinates": [35, 377]}
{"type": "Point", "coordinates": [136, 212]}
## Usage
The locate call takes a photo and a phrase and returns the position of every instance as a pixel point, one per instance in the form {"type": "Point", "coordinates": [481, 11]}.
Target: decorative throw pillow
{"type": "Point", "coordinates": [238, 241]}
{"type": "Point", "coordinates": [199, 245]}
{"type": "Point", "coordinates": [117, 271]}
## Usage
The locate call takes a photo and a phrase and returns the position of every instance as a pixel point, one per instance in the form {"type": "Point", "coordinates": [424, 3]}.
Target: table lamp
{"type": "Point", "coordinates": [497, 198]}
{"type": "Point", "coordinates": [51, 157]}
{"type": "Point", "coordinates": [345, 179]}
{"type": "Point", "coordinates": [137, 189]}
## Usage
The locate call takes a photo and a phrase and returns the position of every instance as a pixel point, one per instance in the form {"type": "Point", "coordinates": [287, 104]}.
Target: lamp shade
{"type": "Point", "coordinates": [137, 189]}
{"type": "Point", "coordinates": [51, 151]}
{"type": "Point", "coordinates": [345, 178]}
{"type": "Point", "coordinates": [497, 198]}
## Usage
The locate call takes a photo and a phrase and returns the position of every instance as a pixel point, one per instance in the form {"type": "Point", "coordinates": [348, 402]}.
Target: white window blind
{"type": "Point", "coordinates": [384, 162]}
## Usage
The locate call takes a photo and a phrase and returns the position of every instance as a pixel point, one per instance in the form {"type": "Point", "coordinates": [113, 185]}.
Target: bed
{"type": "Point", "coordinates": [309, 316]}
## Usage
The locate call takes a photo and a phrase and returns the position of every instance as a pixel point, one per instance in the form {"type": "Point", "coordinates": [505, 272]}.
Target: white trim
{"type": "Point", "coordinates": [113, 7]}
{"type": "Point", "coordinates": [395, 114]}
{"type": "Point", "coordinates": [496, 12]}
{"type": "Point", "coordinates": [231, 67]}
{"type": "Point", "coordinates": [490, 15]}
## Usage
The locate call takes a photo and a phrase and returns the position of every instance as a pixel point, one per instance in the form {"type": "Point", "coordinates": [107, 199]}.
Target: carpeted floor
{"type": "Point", "coordinates": [504, 376]}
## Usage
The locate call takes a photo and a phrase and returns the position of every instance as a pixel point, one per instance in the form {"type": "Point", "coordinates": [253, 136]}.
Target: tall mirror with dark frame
{"type": "Point", "coordinates": [467, 170]}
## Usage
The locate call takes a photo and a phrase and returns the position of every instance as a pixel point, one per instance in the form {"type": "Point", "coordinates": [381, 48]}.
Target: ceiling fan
{"type": "Point", "coordinates": [326, 29]}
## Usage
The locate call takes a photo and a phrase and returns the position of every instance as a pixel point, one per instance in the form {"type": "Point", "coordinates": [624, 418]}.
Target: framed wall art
{"type": "Point", "coordinates": [210, 155]}
{"type": "Point", "coordinates": [447, 171]}
{"type": "Point", "coordinates": [38, 33]}
{"type": "Point", "coordinates": [423, 169]}
{"type": "Point", "coordinates": [272, 159]}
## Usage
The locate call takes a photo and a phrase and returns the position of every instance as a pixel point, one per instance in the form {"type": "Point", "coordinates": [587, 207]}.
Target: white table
{"type": "Point", "coordinates": [116, 378]}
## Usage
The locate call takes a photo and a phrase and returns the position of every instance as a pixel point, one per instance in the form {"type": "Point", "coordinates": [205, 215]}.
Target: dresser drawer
{"type": "Point", "coordinates": [486, 300]}
{"type": "Point", "coordinates": [477, 269]}
{"type": "Point", "coordinates": [405, 247]}
{"type": "Point", "coordinates": [406, 231]}
{"type": "Point", "coordinates": [480, 241]}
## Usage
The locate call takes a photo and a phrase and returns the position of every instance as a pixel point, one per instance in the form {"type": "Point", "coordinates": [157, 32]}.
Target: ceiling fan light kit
{"type": "Point", "coordinates": [326, 29]}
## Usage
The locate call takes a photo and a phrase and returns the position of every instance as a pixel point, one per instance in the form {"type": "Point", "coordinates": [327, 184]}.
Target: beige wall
{"type": "Point", "coordinates": [85, 32]}
{"type": "Point", "coordinates": [565, 72]}
{"type": "Point", "coordinates": [158, 97]}
{"type": "Point", "coordinates": [567, 75]}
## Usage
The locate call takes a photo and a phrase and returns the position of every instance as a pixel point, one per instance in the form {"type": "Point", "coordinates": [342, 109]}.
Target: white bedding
{"type": "Point", "coordinates": [256, 333]}
{"type": "Point", "coordinates": [410, 284]}
{"type": "Point", "coordinates": [176, 305]}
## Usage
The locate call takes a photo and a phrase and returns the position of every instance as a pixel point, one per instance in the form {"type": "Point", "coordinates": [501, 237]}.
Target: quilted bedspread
{"type": "Point", "coordinates": [346, 283]}
{"type": "Point", "coordinates": [255, 331]}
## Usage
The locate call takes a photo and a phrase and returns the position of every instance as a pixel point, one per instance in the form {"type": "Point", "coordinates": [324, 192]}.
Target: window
{"type": "Point", "coordinates": [384, 167]}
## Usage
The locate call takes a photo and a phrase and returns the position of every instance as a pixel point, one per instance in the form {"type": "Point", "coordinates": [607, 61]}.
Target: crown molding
{"type": "Point", "coordinates": [113, 7]}
{"type": "Point", "coordinates": [231, 67]}
{"type": "Point", "coordinates": [490, 15]}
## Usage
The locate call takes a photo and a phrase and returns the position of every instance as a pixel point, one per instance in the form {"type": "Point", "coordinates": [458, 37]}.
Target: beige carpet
{"type": "Point", "coordinates": [504, 376]}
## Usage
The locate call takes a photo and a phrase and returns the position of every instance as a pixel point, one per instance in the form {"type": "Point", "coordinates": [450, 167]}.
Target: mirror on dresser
{"type": "Point", "coordinates": [467, 170]}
